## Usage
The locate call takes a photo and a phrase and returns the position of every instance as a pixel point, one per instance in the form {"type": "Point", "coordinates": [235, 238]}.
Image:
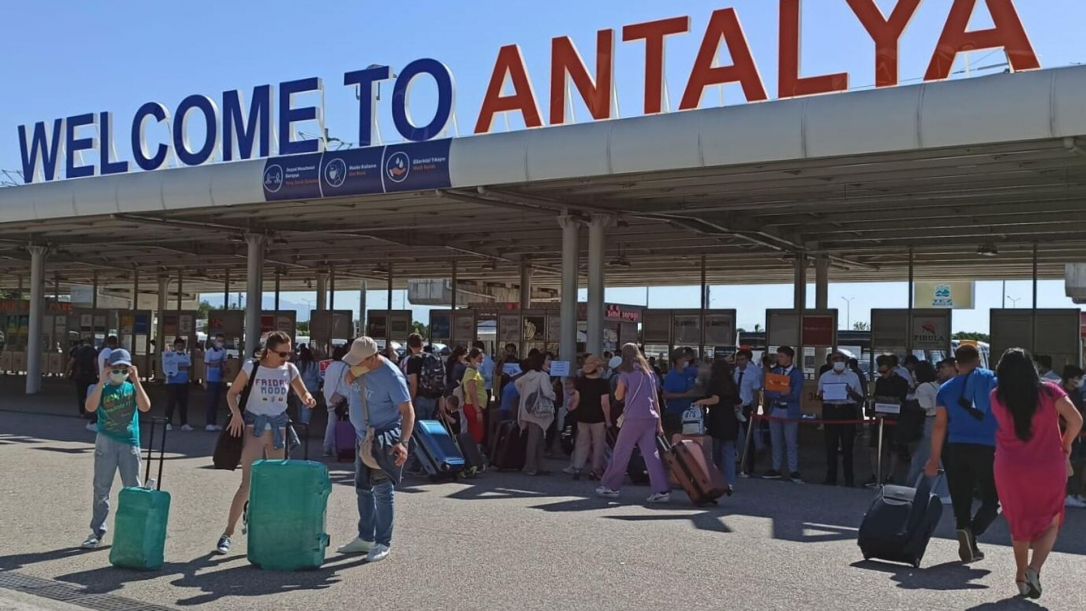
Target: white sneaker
{"type": "Point", "coordinates": [169, 427]}
{"type": "Point", "coordinates": [569, 470]}
{"type": "Point", "coordinates": [210, 427]}
{"type": "Point", "coordinates": [92, 427]}
{"type": "Point", "coordinates": [91, 542]}
{"type": "Point", "coordinates": [222, 548]}
{"type": "Point", "coordinates": [606, 492]}
{"type": "Point", "coordinates": [185, 427]}
{"type": "Point", "coordinates": [660, 497]}
{"type": "Point", "coordinates": [1074, 502]}
{"type": "Point", "coordinates": [359, 546]}
{"type": "Point", "coordinates": [378, 553]}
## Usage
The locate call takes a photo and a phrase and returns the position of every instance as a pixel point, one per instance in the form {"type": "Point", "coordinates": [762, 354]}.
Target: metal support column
{"type": "Point", "coordinates": [322, 290]}
{"type": "Point", "coordinates": [1033, 314]}
{"type": "Point", "coordinates": [37, 316]}
{"type": "Point", "coordinates": [387, 324]}
{"type": "Point", "coordinates": [160, 329]}
{"type": "Point", "coordinates": [362, 288]}
{"type": "Point", "coordinates": [180, 294]}
{"type": "Point", "coordinates": [597, 249]}
{"type": "Point", "coordinates": [452, 323]}
{"type": "Point", "coordinates": [822, 296]}
{"type": "Point", "coordinates": [704, 306]}
{"type": "Point", "coordinates": [909, 321]}
{"type": "Point", "coordinates": [277, 274]}
{"type": "Point", "coordinates": [331, 288]}
{"type": "Point", "coordinates": [254, 284]}
{"type": "Point", "coordinates": [94, 291]}
{"type": "Point", "coordinates": [571, 227]}
{"type": "Point", "coordinates": [525, 284]}
{"type": "Point", "coordinates": [56, 287]}
{"type": "Point", "coordinates": [800, 305]}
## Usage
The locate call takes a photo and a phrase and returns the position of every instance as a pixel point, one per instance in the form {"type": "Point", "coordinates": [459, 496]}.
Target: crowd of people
{"type": "Point", "coordinates": [1011, 438]}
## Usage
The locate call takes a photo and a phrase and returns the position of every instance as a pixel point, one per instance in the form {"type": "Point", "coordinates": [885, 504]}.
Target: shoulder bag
{"type": "Point", "coordinates": [228, 448]}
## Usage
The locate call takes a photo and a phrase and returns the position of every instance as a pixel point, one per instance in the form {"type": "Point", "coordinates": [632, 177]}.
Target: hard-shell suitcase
{"type": "Point", "coordinates": [512, 450]}
{"type": "Point", "coordinates": [346, 440]}
{"type": "Point", "coordinates": [703, 483]}
{"type": "Point", "coordinates": [900, 522]}
{"type": "Point", "coordinates": [437, 451]}
{"type": "Point", "coordinates": [288, 502]}
{"type": "Point", "coordinates": [704, 444]}
{"type": "Point", "coordinates": [473, 457]}
{"type": "Point", "coordinates": [139, 528]}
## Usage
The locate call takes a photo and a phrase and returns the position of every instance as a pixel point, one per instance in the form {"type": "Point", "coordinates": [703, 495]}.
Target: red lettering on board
{"type": "Point", "coordinates": [654, 33]}
{"type": "Point", "coordinates": [886, 33]}
{"type": "Point", "coordinates": [566, 64]}
{"type": "Point", "coordinates": [723, 24]}
{"type": "Point", "coordinates": [1008, 34]}
{"type": "Point", "coordinates": [790, 83]}
{"type": "Point", "coordinates": [510, 62]}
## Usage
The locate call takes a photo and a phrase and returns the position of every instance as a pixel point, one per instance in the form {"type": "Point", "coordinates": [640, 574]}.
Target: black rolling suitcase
{"type": "Point", "coordinates": [900, 522]}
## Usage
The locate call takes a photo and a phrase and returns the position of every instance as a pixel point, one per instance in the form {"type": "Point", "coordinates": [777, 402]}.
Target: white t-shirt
{"type": "Point", "coordinates": [270, 389]}
{"type": "Point", "coordinates": [927, 394]}
{"type": "Point", "coordinates": [103, 358]}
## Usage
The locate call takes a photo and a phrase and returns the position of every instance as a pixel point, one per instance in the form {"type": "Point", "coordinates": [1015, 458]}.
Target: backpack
{"type": "Point", "coordinates": [431, 376]}
{"type": "Point", "coordinates": [693, 421]}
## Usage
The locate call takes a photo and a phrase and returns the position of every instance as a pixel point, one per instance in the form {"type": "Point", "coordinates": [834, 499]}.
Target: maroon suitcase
{"type": "Point", "coordinates": [702, 482]}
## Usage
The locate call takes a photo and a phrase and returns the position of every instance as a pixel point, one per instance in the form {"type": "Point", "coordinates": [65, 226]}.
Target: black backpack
{"type": "Point", "coordinates": [431, 376]}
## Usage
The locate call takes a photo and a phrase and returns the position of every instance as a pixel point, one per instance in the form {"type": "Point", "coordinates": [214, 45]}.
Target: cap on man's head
{"type": "Point", "coordinates": [361, 349]}
{"type": "Point", "coordinates": [120, 356]}
{"type": "Point", "coordinates": [615, 362]}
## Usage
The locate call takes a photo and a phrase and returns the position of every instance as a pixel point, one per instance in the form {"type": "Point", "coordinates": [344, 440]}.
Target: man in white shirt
{"type": "Point", "coordinates": [1044, 368]}
{"type": "Point", "coordinates": [748, 378]}
{"type": "Point", "coordinates": [839, 390]}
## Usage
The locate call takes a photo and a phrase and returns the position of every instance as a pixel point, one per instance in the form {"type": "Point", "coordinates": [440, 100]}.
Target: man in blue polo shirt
{"type": "Point", "coordinates": [965, 421]}
{"type": "Point", "coordinates": [679, 390]}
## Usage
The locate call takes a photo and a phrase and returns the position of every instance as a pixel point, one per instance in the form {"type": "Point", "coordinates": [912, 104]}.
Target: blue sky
{"type": "Point", "coordinates": [66, 58]}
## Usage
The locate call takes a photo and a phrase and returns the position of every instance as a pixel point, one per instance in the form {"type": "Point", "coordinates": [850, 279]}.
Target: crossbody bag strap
{"type": "Point", "coordinates": [248, 390]}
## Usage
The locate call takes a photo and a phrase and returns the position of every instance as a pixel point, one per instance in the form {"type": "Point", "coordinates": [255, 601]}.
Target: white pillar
{"type": "Point", "coordinates": [597, 249]}
{"type": "Point", "coordinates": [254, 285]}
{"type": "Point", "coordinates": [322, 291]}
{"type": "Point", "coordinates": [525, 284]}
{"type": "Point", "coordinates": [37, 315]}
{"type": "Point", "coordinates": [822, 297]}
{"type": "Point", "coordinates": [362, 308]}
{"type": "Point", "coordinates": [570, 283]}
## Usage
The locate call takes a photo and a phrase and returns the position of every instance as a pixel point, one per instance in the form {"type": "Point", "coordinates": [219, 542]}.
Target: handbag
{"type": "Point", "coordinates": [538, 404]}
{"type": "Point", "coordinates": [228, 448]}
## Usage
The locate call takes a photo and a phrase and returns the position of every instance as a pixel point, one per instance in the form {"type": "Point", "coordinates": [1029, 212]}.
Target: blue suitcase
{"type": "Point", "coordinates": [437, 450]}
{"type": "Point", "coordinates": [288, 503]}
{"type": "Point", "coordinates": [139, 527]}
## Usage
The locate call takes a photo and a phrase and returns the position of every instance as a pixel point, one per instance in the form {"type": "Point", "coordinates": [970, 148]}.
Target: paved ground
{"type": "Point", "coordinates": [503, 541]}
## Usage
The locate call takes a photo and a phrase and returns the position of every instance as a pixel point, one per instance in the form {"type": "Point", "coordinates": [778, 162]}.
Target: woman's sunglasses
{"type": "Point", "coordinates": [282, 355]}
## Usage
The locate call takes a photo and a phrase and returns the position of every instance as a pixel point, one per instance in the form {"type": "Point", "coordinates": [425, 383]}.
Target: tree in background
{"type": "Point", "coordinates": [860, 325]}
{"type": "Point", "coordinates": [421, 329]}
{"type": "Point", "coordinates": [972, 335]}
{"type": "Point", "coordinates": [303, 327]}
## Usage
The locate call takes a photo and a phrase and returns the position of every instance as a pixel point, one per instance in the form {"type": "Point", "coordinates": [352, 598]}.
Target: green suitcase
{"type": "Point", "coordinates": [288, 500]}
{"type": "Point", "coordinates": [139, 528]}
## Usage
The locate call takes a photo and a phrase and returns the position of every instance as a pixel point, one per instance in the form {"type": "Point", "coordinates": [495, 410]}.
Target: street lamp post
{"type": "Point", "coordinates": [848, 311]}
{"type": "Point", "coordinates": [1014, 301]}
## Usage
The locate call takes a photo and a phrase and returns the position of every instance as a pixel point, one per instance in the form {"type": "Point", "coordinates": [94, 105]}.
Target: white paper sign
{"type": "Point", "coordinates": [559, 369]}
{"type": "Point", "coordinates": [887, 408]}
{"type": "Point", "coordinates": [835, 392]}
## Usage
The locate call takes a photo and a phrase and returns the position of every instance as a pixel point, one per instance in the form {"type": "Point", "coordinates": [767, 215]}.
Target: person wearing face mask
{"type": "Point", "coordinates": [889, 386]}
{"type": "Point", "coordinates": [679, 391]}
{"type": "Point", "coordinates": [475, 395]}
{"type": "Point", "coordinates": [177, 385]}
{"type": "Point", "coordinates": [839, 390]}
{"type": "Point", "coordinates": [1071, 382]}
{"type": "Point", "coordinates": [213, 385]}
{"type": "Point", "coordinates": [383, 416]}
{"type": "Point", "coordinates": [264, 421]}
{"type": "Point", "coordinates": [118, 398]}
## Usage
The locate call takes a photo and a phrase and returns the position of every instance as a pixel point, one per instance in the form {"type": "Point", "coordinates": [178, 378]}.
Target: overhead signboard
{"type": "Point", "coordinates": [327, 325]}
{"type": "Point", "coordinates": [656, 328]}
{"type": "Point", "coordinates": [719, 328]}
{"type": "Point", "coordinates": [441, 325]}
{"type": "Point", "coordinates": [953, 295]}
{"type": "Point", "coordinates": [930, 329]}
{"type": "Point", "coordinates": [782, 328]}
{"type": "Point", "coordinates": [228, 323]}
{"type": "Point", "coordinates": [1057, 334]}
{"type": "Point", "coordinates": [269, 124]}
{"type": "Point", "coordinates": [820, 329]}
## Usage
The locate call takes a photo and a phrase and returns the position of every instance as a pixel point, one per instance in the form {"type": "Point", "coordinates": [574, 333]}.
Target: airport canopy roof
{"type": "Point", "coordinates": [945, 169]}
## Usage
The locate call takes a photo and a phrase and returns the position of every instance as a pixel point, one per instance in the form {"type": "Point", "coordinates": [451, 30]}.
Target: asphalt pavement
{"type": "Point", "coordinates": [500, 541]}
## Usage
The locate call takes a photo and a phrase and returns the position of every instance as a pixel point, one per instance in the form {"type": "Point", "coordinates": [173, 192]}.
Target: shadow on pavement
{"type": "Point", "coordinates": [1010, 604]}
{"type": "Point", "coordinates": [215, 578]}
{"type": "Point", "coordinates": [946, 576]}
{"type": "Point", "coordinates": [15, 562]}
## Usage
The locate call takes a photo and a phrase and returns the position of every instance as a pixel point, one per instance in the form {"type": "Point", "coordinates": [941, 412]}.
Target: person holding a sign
{"type": "Point", "coordinates": [964, 420]}
{"type": "Point", "coordinates": [783, 392]}
{"type": "Point", "coordinates": [176, 365]}
{"type": "Point", "coordinates": [839, 390]}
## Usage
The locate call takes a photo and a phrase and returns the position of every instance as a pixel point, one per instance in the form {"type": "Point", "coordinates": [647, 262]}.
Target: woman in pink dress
{"type": "Point", "coordinates": [1031, 461]}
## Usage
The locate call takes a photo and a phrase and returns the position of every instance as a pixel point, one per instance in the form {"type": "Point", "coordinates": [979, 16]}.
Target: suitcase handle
{"type": "Point", "coordinates": [287, 450]}
{"type": "Point", "coordinates": [161, 454]}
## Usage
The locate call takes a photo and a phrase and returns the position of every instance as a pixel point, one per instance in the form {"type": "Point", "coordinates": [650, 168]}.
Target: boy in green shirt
{"type": "Point", "coordinates": [117, 398]}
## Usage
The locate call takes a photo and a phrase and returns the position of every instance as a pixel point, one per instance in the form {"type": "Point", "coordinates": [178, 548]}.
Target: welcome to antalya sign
{"type": "Point", "coordinates": [266, 126]}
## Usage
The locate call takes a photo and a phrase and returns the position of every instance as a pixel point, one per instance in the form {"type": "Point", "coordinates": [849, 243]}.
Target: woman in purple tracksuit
{"type": "Point", "coordinates": [641, 424]}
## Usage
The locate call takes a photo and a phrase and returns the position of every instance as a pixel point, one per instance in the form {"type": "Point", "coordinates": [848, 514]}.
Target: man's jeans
{"type": "Point", "coordinates": [111, 456]}
{"type": "Point", "coordinates": [425, 409]}
{"type": "Point", "coordinates": [214, 393]}
{"type": "Point", "coordinates": [782, 434]}
{"type": "Point", "coordinates": [376, 496]}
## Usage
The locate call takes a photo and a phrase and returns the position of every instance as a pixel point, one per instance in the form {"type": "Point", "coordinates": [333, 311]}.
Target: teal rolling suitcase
{"type": "Point", "coordinates": [288, 500]}
{"type": "Point", "coordinates": [139, 527]}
